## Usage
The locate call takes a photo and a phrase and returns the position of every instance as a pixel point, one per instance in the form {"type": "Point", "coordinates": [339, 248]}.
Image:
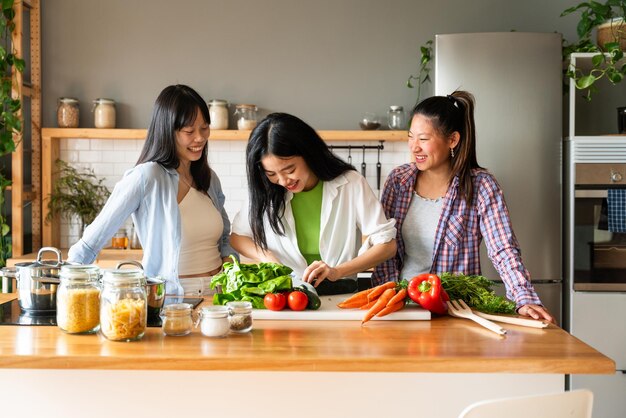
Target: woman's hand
{"type": "Point", "coordinates": [536, 312]}
{"type": "Point", "coordinates": [318, 271]}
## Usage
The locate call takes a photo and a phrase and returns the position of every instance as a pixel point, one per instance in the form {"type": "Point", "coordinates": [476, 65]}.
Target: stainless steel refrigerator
{"type": "Point", "coordinates": [516, 79]}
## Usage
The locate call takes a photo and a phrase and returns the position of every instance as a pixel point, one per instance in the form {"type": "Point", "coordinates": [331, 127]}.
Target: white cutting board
{"type": "Point", "coordinates": [329, 311]}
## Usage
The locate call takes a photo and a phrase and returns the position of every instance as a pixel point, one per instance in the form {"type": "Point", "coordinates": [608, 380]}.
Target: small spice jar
{"type": "Point", "coordinates": [395, 118]}
{"type": "Point", "coordinates": [67, 112]}
{"type": "Point", "coordinates": [246, 115]}
{"type": "Point", "coordinates": [214, 321]}
{"type": "Point", "coordinates": [120, 240]}
{"type": "Point", "coordinates": [176, 319]}
{"type": "Point", "coordinates": [123, 301]}
{"type": "Point", "coordinates": [78, 299]}
{"type": "Point", "coordinates": [240, 316]}
{"type": "Point", "coordinates": [218, 112]}
{"type": "Point", "coordinates": [104, 113]}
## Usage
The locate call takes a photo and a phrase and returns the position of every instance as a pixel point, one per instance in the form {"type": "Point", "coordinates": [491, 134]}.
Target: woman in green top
{"type": "Point", "coordinates": [308, 209]}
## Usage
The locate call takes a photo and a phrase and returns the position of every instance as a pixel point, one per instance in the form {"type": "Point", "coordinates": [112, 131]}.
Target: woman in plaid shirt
{"type": "Point", "coordinates": [445, 204]}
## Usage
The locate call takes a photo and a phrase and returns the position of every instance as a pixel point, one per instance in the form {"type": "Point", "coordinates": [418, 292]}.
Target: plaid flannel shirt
{"type": "Point", "coordinates": [460, 231]}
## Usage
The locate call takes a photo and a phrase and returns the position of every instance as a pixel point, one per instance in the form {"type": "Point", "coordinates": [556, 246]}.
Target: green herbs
{"type": "Point", "coordinates": [476, 292]}
{"type": "Point", "coordinates": [250, 282]}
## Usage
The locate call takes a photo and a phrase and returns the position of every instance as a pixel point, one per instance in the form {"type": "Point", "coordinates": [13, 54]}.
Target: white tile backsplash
{"type": "Point", "coordinates": [111, 158]}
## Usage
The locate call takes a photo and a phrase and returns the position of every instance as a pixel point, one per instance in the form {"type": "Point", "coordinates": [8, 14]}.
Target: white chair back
{"type": "Point", "coordinates": [573, 404]}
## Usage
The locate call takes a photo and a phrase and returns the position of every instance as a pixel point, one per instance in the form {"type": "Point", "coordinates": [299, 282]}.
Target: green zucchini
{"type": "Point", "coordinates": [314, 300]}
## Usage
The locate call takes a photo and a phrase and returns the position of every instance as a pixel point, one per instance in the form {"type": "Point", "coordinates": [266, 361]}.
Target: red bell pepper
{"type": "Point", "coordinates": [427, 291]}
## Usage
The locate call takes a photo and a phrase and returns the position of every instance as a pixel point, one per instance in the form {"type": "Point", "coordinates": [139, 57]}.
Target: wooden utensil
{"type": "Point", "coordinates": [459, 309]}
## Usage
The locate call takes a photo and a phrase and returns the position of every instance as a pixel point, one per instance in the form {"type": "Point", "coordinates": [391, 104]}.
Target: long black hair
{"type": "Point", "coordinates": [449, 114]}
{"type": "Point", "coordinates": [176, 107]}
{"type": "Point", "coordinates": [286, 136]}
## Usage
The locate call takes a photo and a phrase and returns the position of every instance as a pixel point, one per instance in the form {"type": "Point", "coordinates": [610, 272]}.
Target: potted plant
{"type": "Point", "coordinates": [607, 18]}
{"type": "Point", "coordinates": [426, 54]}
{"type": "Point", "coordinates": [10, 123]}
{"type": "Point", "coordinates": [77, 194]}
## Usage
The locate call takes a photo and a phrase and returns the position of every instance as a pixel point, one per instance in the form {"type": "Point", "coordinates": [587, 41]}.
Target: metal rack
{"type": "Point", "coordinates": [363, 148]}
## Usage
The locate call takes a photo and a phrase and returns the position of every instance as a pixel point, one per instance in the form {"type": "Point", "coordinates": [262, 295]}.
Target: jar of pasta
{"type": "Point", "coordinates": [104, 113]}
{"type": "Point", "coordinates": [123, 305]}
{"type": "Point", "coordinates": [67, 112]}
{"type": "Point", "coordinates": [78, 299]}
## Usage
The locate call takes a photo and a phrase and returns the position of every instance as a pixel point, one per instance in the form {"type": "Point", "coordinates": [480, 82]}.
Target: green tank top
{"type": "Point", "coordinates": [307, 212]}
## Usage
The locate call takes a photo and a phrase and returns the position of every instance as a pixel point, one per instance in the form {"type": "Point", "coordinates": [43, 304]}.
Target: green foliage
{"type": "Point", "coordinates": [426, 55]}
{"type": "Point", "coordinates": [10, 123]}
{"type": "Point", "coordinates": [79, 194]}
{"type": "Point", "coordinates": [607, 63]}
{"type": "Point", "coordinates": [250, 282]}
{"type": "Point", "coordinates": [476, 292]}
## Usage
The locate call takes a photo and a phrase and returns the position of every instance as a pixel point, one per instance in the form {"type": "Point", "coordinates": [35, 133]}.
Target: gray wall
{"type": "Point", "coordinates": [327, 61]}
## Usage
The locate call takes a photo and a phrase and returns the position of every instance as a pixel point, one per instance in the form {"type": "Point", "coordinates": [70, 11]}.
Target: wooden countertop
{"type": "Point", "coordinates": [107, 257]}
{"type": "Point", "coordinates": [442, 345]}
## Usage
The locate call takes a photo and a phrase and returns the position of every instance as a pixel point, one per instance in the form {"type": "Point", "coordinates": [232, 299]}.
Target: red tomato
{"type": "Point", "coordinates": [275, 301]}
{"type": "Point", "coordinates": [297, 300]}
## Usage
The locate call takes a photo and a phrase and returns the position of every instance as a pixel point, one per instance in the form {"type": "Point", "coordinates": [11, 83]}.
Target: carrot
{"type": "Point", "coordinates": [399, 297]}
{"type": "Point", "coordinates": [375, 292]}
{"type": "Point", "coordinates": [368, 304]}
{"type": "Point", "coordinates": [391, 308]}
{"type": "Point", "coordinates": [355, 301]}
{"type": "Point", "coordinates": [380, 304]}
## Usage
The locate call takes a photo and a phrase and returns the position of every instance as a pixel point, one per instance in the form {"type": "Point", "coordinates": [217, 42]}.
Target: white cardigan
{"type": "Point", "coordinates": [349, 209]}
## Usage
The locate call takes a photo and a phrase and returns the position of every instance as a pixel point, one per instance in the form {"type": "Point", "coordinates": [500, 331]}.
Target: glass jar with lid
{"type": "Point", "coordinates": [246, 115]}
{"type": "Point", "coordinates": [395, 118]}
{"type": "Point", "coordinates": [78, 299]}
{"type": "Point", "coordinates": [214, 321]}
{"type": "Point", "coordinates": [120, 240]}
{"type": "Point", "coordinates": [123, 302]}
{"type": "Point", "coordinates": [240, 316]}
{"type": "Point", "coordinates": [104, 113]}
{"type": "Point", "coordinates": [176, 319]}
{"type": "Point", "coordinates": [67, 112]}
{"type": "Point", "coordinates": [218, 112]}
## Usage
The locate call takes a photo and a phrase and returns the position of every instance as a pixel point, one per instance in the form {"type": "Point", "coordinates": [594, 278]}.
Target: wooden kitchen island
{"type": "Point", "coordinates": [288, 368]}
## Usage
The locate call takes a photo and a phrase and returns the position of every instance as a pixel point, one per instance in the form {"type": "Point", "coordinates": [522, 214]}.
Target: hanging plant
{"type": "Point", "coordinates": [426, 54]}
{"type": "Point", "coordinates": [10, 122]}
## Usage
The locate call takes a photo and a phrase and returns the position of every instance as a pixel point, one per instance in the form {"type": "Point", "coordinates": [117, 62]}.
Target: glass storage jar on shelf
{"type": "Point", "coordinates": [246, 115]}
{"type": "Point", "coordinates": [78, 299]}
{"type": "Point", "coordinates": [104, 113]}
{"type": "Point", "coordinates": [218, 112]}
{"type": "Point", "coordinates": [176, 319]}
{"type": "Point", "coordinates": [396, 119]}
{"type": "Point", "coordinates": [120, 240]}
{"type": "Point", "coordinates": [67, 112]}
{"type": "Point", "coordinates": [123, 302]}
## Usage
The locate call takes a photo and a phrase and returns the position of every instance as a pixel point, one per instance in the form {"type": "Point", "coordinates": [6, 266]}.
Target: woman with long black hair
{"type": "Point", "coordinates": [308, 209]}
{"type": "Point", "coordinates": [174, 198]}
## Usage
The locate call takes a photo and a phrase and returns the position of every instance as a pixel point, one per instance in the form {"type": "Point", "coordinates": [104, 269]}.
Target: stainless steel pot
{"type": "Point", "coordinates": [155, 289]}
{"type": "Point", "coordinates": [37, 283]}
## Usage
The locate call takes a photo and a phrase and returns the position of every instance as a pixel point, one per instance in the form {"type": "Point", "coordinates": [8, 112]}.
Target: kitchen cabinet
{"type": "Point", "coordinates": [380, 369]}
{"type": "Point", "coordinates": [594, 300]}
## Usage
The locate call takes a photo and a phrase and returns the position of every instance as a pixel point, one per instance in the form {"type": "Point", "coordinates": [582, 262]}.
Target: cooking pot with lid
{"type": "Point", "coordinates": [37, 282]}
{"type": "Point", "coordinates": [155, 290]}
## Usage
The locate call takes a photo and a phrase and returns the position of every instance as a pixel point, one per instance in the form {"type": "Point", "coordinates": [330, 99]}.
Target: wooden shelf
{"type": "Point", "coordinates": [216, 135]}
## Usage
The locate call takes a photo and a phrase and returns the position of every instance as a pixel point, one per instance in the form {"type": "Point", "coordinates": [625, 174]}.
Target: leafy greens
{"type": "Point", "coordinates": [476, 292]}
{"type": "Point", "coordinates": [250, 282]}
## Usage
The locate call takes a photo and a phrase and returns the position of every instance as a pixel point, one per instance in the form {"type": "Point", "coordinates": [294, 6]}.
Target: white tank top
{"type": "Point", "coordinates": [201, 230]}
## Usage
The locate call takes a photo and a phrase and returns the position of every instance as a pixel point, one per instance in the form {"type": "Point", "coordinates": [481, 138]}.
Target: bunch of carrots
{"type": "Point", "coordinates": [379, 301]}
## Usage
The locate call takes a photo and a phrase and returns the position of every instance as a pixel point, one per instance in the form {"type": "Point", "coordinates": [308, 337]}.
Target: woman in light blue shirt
{"type": "Point", "coordinates": [174, 198]}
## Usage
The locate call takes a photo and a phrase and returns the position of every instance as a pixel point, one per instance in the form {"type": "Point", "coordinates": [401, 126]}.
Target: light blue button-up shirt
{"type": "Point", "coordinates": [148, 193]}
